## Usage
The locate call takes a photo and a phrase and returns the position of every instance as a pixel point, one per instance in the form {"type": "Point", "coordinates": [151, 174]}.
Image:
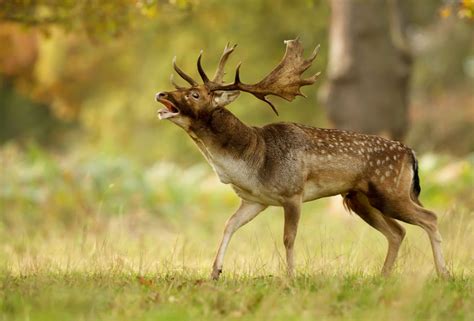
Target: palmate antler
{"type": "Point", "coordinates": [284, 81]}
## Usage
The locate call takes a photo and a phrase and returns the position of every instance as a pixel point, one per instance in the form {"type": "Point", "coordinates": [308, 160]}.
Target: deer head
{"type": "Point", "coordinates": [184, 105]}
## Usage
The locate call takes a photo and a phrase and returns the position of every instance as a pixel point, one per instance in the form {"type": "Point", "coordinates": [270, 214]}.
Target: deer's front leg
{"type": "Point", "coordinates": [292, 216]}
{"type": "Point", "coordinates": [246, 212]}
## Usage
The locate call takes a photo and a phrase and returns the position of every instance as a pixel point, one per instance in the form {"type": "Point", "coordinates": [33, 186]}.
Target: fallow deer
{"type": "Point", "coordinates": [285, 164]}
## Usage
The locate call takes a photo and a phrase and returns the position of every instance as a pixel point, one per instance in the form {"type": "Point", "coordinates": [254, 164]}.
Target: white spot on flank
{"type": "Point", "coordinates": [377, 171]}
{"type": "Point", "coordinates": [387, 173]}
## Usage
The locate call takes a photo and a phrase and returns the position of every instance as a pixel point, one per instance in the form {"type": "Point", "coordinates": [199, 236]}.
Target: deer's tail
{"type": "Point", "coordinates": [415, 185]}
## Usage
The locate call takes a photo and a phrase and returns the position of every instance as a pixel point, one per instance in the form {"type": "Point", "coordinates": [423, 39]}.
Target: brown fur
{"type": "Point", "coordinates": [285, 164]}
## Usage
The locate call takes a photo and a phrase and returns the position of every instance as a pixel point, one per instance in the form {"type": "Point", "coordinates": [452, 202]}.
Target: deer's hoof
{"type": "Point", "coordinates": [215, 274]}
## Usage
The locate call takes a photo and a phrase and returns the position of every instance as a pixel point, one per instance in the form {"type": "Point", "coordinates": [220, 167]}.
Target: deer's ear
{"type": "Point", "coordinates": [223, 98]}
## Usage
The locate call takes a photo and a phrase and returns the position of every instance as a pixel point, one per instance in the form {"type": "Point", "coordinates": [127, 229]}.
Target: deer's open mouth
{"type": "Point", "coordinates": [169, 111]}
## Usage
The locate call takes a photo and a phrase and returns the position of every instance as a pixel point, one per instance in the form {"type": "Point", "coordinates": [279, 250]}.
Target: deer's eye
{"type": "Point", "coordinates": [195, 95]}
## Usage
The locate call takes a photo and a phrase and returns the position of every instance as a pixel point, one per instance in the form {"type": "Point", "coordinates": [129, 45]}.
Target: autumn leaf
{"type": "Point", "coordinates": [445, 11]}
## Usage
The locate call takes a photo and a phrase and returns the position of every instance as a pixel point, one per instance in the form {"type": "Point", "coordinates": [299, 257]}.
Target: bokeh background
{"type": "Point", "coordinates": [92, 181]}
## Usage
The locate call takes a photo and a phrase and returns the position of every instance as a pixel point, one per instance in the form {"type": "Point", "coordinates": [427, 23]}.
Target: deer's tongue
{"type": "Point", "coordinates": [169, 105]}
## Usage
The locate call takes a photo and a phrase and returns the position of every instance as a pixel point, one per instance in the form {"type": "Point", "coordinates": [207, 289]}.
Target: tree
{"type": "Point", "coordinates": [369, 68]}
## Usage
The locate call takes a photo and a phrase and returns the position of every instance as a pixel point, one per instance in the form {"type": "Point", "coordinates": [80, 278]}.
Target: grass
{"type": "Point", "coordinates": [102, 238]}
{"type": "Point", "coordinates": [187, 296]}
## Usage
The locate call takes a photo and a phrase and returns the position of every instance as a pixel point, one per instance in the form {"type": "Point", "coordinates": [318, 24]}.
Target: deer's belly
{"type": "Point", "coordinates": [314, 189]}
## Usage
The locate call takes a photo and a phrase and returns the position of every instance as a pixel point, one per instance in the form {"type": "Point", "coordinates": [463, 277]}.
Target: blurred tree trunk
{"type": "Point", "coordinates": [369, 68]}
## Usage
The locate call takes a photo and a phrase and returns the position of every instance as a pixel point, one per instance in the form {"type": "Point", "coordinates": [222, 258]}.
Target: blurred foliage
{"type": "Point", "coordinates": [97, 18]}
{"type": "Point", "coordinates": [41, 188]}
{"type": "Point", "coordinates": [447, 118]}
{"type": "Point", "coordinates": [82, 74]}
{"type": "Point", "coordinates": [108, 88]}
{"type": "Point", "coordinates": [463, 9]}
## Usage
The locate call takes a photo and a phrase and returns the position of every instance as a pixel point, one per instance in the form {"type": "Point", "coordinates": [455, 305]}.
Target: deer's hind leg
{"type": "Point", "coordinates": [403, 208]}
{"type": "Point", "coordinates": [391, 229]}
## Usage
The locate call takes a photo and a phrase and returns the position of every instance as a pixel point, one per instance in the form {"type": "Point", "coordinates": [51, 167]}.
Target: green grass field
{"type": "Point", "coordinates": [115, 295]}
{"type": "Point", "coordinates": [102, 238]}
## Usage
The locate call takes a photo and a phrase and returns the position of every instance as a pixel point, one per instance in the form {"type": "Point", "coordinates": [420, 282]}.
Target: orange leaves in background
{"type": "Point", "coordinates": [464, 9]}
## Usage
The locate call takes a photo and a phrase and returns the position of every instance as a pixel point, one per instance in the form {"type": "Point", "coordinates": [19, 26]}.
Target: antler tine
{"type": "Point", "coordinates": [201, 70]}
{"type": "Point", "coordinates": [183, 75]}
{"type": "Point", "coordinates": [219, 74]}
{"type": "Point", "coordinates": [174, 83]}
{"type": "Point", "coordinates": [263, 98]}
{"type": "Point", "coordinates": [314, 54]}
{"type": "Point", "coordinates": [311, 80]}
{"type": "Point", "coordinates": [237, 74]}
{"type": "Point", "coordinates": [308, 81]}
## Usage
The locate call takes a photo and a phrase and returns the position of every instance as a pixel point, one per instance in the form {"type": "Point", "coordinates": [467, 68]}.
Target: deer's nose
{"type": "Point", "coordinates": [160, 95]}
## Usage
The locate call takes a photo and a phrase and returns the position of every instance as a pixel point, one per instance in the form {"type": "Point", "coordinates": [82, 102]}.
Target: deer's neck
{"type": "Point", "coordinates": [221, 134]}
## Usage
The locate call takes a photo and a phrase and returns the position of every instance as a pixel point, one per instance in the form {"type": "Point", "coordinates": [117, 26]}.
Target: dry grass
{"type": "Point", "coordinates": [137, 243]}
